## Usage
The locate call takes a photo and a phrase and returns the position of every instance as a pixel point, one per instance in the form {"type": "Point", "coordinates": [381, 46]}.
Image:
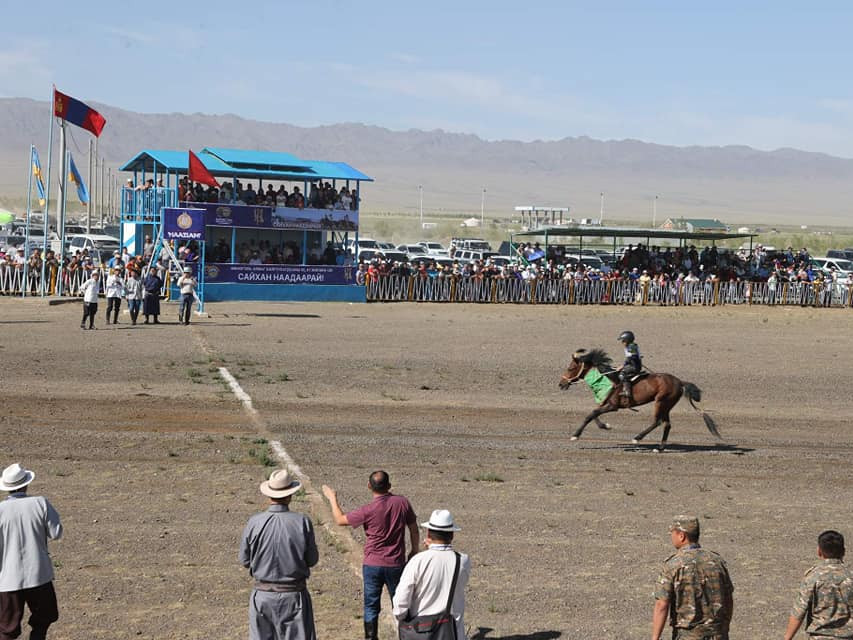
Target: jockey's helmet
{"type": "Point", "coordinates": [626, 336]}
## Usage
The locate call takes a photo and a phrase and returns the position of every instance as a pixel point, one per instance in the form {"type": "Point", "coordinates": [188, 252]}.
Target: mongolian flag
{"type": "Point", "coordinates": [199, 173]}
{"type": "Point", "coordinates": [76, 178]}
{"type": "Point", "coordinates": [37, 176]}
{"type": "Point", "coordinates": [77, 112]}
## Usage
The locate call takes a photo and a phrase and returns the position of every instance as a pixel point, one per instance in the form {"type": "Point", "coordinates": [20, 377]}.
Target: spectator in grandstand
{"type": "Point", "coordinates": [249, 195]}
{"type": "Point", "coordinates": [281, 197]}
{"type": "Point", "coordinates": [344, 199]}
{"type": "Point", "coordinates": [296, 199]}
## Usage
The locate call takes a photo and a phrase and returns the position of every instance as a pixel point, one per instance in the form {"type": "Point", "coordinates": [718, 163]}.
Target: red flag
{"type": "Point", "coordinates": [77, 112]}
{"type": "Point", "coordinates": [199, 173]}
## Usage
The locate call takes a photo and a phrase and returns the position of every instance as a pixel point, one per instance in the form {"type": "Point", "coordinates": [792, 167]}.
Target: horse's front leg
{"type": "Point", "coordinates": [593, 416]}
{"type": "Point", "coordinates": [646, 432]}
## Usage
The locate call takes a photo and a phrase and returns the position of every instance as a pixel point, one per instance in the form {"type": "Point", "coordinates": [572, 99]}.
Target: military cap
{"type": "Point", "coordinates": [687, 524]}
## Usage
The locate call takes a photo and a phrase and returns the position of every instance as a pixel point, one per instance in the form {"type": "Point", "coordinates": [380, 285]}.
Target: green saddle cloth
{"type": "Point", "coordinates": [599, 383]}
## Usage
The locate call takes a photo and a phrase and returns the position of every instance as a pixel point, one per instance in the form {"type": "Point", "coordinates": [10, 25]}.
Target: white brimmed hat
{"type": "Point", "coordinates": [15, 477]}
{"type": "Point", "coordinates": [188, 269]}
{"type": "Point", "coordinates": [441, 520]}
{"type": "Point", "coordinates": [280, 485]}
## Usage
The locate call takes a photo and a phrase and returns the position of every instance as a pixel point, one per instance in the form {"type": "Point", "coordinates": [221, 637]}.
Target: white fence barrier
{"type": "Point", "coordinates": [517, 291]}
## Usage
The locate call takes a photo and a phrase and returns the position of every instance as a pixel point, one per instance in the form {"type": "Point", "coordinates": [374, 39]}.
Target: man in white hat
{"type": "Point", "coordinates": [425, 585]}
{"type": "Point", "coordinates": [187, 284]}
{"type": "Point", "coordinates": [26, 571]}
{"type": "Point", "coordinates": [278, 548]}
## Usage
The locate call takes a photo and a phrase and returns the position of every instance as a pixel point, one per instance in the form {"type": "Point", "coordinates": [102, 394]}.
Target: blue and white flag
{"type": "Point", "coordinates": [76, 178]}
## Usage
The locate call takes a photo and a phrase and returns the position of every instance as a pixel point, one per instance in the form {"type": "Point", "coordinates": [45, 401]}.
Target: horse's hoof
{"type": "Point", "coordinates": [604, 426]}
{"type": "Point", "coordinates": [573, 438]}
{"type": "Point", "coordinates": [656, 450]}
{"type": "Point", "coordinates": [635, 441]}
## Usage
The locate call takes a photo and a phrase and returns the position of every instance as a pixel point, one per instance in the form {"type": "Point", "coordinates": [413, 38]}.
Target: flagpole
{"type": "Point", "coordinates": [89, 205]}
{"type": "Point", "coordinates": [27, 234]}
{"type": "Point", "coordinates": [101, 187]}
{"type": "Point", "coordinates": [44, 283]}
{"type": "Point", "coordinates": [63, 192]}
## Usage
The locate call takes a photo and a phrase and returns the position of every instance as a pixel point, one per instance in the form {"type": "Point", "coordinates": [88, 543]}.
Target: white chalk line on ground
{"type": "Point", "coordinates": [242, 396]}
{"type": "Point", "coordinates": [285, 458]}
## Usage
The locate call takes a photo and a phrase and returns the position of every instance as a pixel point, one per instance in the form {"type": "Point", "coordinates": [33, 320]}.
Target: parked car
{"type": "Point", "coordinates": [827, 265]}
{"type": "Point", "coordinates": [96, 244]}
{"type": "Point", "coordinates": [414, 251]}
{"type": "Point", "coordinates": [434, 248]}
{"type": "Point", "coordinates": [386, 245]}
{"type": "Point", "coordinates": [472, 244]}
{"type": "Point", "coordinates": [844, 254]}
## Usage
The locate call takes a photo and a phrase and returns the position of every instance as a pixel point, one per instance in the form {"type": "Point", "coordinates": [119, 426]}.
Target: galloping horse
{"type": "Point", "coordinates": [664, 389]}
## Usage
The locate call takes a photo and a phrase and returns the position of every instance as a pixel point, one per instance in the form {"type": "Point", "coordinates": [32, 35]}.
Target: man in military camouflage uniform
{"type": "Point", "coordinates": [825, 598]}
{"type": "Point", "coordinates": [694, 588]}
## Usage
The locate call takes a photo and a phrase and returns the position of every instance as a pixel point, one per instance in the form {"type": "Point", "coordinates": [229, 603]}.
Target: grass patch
{"type": "Point", "coordinates": [488, 477]}
{"type": "Point", "coordinates": [261, 455]}
{"type": "Point", "coordinates": [283, 377]}
{"type": "Point", "coordinates": [193, 373]}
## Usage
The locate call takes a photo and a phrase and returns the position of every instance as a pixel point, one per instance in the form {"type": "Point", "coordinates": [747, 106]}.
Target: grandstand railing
{"type": "Point", "coordinates": [579, 292]}
{"type": "Point", "coordinates": [144, 206]}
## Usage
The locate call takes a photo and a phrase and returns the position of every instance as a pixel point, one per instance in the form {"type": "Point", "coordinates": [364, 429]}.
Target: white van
{"type": "Point", "coordinates": [97, 245]}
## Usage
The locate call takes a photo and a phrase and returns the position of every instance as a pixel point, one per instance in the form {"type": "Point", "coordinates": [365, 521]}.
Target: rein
{"type": "Point", "coordinates": [578, 375]}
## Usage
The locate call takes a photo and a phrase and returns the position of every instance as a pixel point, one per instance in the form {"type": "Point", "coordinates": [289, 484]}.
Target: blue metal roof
{"type": "Point", "coordinates": [245, 164]}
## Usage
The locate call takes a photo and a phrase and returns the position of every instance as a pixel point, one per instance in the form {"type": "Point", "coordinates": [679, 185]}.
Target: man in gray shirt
{"type": "Point", "coordinates": [278, 549]}
{"type": "Point", "coordinates": [26, 571]}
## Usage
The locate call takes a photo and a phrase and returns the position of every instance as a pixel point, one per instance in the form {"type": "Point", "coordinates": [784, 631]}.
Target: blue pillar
{"type": "Point", "coordinates": [304, 247]}
{"type": "Point", "coordinates": [233, 244]}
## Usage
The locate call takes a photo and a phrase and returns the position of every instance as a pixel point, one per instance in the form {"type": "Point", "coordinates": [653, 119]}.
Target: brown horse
{"type": "Point", "coordinates": [663, 389]}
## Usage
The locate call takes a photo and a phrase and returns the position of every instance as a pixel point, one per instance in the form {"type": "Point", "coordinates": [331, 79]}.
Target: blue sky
{"type": "Point", "coordinates": [769, 75]}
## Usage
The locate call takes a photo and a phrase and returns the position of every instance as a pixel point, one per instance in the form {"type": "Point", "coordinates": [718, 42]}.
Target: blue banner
{"type": "Point", "coordinates": [241, 215]}
{"type": "Point", "coordinates": [277, 274]}
{"type": "Point", "coordinates": [183, 224]}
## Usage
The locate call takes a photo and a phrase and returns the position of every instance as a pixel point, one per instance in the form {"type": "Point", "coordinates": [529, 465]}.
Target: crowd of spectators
{"type": "Point", "coordinates": [289, 252]}
{"type": "Point", "coordinates": [636, 263]}
{"type": "Point", "coordinates": [321, 195]}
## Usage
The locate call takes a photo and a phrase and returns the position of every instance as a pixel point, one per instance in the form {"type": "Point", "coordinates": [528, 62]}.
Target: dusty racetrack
{"type": "Point", "coordinates": [154, 465]}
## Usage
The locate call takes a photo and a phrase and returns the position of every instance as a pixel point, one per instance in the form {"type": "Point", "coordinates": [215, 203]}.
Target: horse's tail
{"type": "Point", "coordinates": [694, 394]}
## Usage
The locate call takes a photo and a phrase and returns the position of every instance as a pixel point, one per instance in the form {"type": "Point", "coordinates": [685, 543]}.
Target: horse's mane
{"type": "Point", "coordinates": [596, 357]}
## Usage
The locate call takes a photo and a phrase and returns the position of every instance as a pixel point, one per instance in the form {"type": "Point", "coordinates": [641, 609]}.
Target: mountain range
{"type": "Point", "coordinates": [735, 184]}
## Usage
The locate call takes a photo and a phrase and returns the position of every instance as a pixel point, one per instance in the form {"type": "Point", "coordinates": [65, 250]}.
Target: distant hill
{"type": "Point", "coordinates": [735, 184]}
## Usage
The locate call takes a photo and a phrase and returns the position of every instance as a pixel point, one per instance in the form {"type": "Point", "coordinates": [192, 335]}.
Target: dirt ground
{"type": "Point", "coordinates": [154, 465]}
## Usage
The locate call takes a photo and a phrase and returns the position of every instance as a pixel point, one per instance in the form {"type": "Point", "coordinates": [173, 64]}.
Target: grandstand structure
{"type": "Point", "coordinates": [222, 273]}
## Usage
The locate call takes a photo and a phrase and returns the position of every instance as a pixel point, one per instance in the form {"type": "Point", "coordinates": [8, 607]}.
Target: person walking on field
{"type": "Point", "coordinates": [90, 290]}
{"type": "Point", "coordinates": [427, 586]}
{"type": "Point", "coordinates": [278, 548]}
{"type": "Point", "coordinates": [151, 302]}
{"type": "Point", "coordinates": [26, 571]}
{"type": "Point", "coordinates": [825, 597]}
{"type": "Point", "coordinates": [114, 291]}
{"type": "Point", "coordinates": [385, 519]}
{"type": "Point", "coordinates": [187, 284]}
{"type": "Point", "coordinates": [133, 286]}
{"type": "Point", "coordinates": [694, 588]}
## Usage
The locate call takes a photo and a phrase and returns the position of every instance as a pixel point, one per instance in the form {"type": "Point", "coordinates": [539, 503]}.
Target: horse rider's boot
{"type": "Point", "coordinates": [371, 630]}
{"type": "Point", "coordinates": [626, 389]}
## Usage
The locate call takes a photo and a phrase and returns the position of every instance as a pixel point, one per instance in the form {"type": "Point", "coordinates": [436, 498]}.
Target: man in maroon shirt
{"type": "Point", "coordinates": [385, 520]}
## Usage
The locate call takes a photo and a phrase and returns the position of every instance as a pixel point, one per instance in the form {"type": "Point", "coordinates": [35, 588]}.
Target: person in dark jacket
{"type": "Point", "coordinates": [152, 286]}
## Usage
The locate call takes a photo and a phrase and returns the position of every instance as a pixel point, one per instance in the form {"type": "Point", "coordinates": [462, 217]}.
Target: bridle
{"type": "Point", "coordinates": [581, 371]}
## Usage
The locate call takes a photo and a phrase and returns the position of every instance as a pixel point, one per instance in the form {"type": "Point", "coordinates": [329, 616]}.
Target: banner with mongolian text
{"type": "Point", "coordinates": [241, 215]}
{"type": "Point", "coordinates": [183, 224]}
{"type": "Point", "coordinates": [222, 273]}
